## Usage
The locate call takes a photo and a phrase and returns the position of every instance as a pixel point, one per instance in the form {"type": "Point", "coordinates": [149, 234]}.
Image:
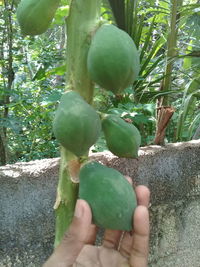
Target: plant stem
{"type": "Point", "coordinates": [81, 23]}
{"type": "Point", "coordinates": [164, 112]}
{"type": "Point", "coordinates": [171, 46]}
{"type": "Point", "coordinates": [67, 192]}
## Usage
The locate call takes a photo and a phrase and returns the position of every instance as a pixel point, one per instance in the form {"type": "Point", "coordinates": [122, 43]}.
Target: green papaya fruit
{"type": "Point", "coordinates": [76, 124]}
{"type": "Point", "coordinates": [122, 138]}
{"type": "Point", "coordinates": [110, 196]}
{"type": "Point", "coordinates": [35, 16]}
{"type": "Point", "coordinates": [113, 59]}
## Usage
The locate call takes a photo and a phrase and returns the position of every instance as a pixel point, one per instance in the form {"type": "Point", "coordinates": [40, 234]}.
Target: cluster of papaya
{"type": "Point", "coordinates": [112, 63]}
{"type": "Point", "coordinates": [111, 197]}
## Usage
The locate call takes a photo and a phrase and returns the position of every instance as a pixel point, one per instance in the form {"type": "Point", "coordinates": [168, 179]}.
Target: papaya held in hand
{"type": "Point", "coordinates": [35, 16]}
{"type": "Point", "coordinates": [76, 124]}
{"type": "Point", "coordinates": [110, 196]}
{"type": "Point", "coordinates": [113, 59]}
{"type": "Point", "coordinates": [122, 138]}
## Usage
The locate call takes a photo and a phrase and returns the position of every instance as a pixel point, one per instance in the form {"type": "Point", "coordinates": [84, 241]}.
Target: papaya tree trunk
{"type": "Point", "coordinates": [82, 21]}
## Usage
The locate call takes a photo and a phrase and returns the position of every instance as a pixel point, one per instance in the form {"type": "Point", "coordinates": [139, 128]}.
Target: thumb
{"type": "Point", "coordinates": [75, 238]}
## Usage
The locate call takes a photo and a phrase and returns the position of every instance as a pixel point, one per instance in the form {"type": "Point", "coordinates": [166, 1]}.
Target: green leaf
{"type": "Point", "coordinates": [61, 70]}
{"type": "Point", "coordinates": [147, 72]}
{"type": "Point", "coordinates": [118, 9]}
{"type": "Point", "coordinates": [51, 99]}
{"type": "Point", "coordinates": [188, 60]}
{"type": "Point", "coordinates": [60, 15]}
{"type": "Point", "coordinates": [147, 40]}
{"type": "Point", "coordinates": [157, 45]}
{"type": "Point", "coordinates": [188, 105]}
{"type": "Point", "coordinates": [151, 96]}
{"type": "Point", "coordinates": [40, 74]}
{"type": "Point", "coordinates": [138, 34]}
{"type": "Point", "coordinates": [194, 124]}
{"type": "Point", "coordinates": [191, 87]}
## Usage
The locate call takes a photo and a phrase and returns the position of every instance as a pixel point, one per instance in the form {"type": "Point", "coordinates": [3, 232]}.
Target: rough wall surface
{"type": "Point", "coordinates": [28, 190]}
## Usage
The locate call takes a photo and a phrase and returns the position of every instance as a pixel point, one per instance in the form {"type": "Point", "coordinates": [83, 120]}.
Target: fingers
{"type": "Point", "coordinates": [129, 179]}
{"type": "Point", "coordinates": [140, 247]}
{"type": "Point", "coordinates": [92, 233]}
{"type": "Point", "coordinates": [78, 235]}
{"type": "Point", "coordinates": [111, 238]}
{"type": "Point", "coordinates": [143, 195]}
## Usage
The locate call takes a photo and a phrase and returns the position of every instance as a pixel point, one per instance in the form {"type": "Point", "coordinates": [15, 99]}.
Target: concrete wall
{"type": "Point", "coordinates": [27, 195]}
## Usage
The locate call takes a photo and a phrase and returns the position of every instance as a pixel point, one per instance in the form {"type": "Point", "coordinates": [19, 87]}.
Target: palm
{"type": "Point", "coordinates": [100, 256]}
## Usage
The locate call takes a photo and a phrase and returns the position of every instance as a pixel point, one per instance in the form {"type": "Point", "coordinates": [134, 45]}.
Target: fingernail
{"type": "Point", "coordinates": [78, 209]}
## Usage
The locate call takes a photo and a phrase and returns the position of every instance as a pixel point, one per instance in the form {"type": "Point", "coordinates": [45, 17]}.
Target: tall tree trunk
{"type": "Point", "coordinates": [2, 149]}
{"type": "Point", "coordinates": [7, 69]}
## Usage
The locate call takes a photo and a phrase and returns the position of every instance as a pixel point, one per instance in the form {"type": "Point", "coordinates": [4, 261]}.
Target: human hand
{"type": "Point", "coordinates": [119, 249]}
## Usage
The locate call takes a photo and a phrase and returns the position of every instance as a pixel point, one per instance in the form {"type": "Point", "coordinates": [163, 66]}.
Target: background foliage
{"type": "Point", "coordinates": [32, 76]}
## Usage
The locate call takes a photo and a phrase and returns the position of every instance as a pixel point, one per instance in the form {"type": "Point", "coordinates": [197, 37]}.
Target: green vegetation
{"type": "Point", "coordinates": [32, 77]}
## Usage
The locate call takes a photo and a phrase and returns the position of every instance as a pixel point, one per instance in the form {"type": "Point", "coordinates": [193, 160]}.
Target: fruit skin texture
{"type": "Point", "coordinates": [76, 124]}
{"type": "Point", "coordinates": [113, 59]}
{"type": "Point", "coordinates": [35, 16]}
{"type": "Point", "coordinates": [123, 139]}
{"type": "Point", "coordinates": [110, 196]}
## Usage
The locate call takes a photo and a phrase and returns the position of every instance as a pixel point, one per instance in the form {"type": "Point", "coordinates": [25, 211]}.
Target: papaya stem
{"type": "Point", "coordinates": [67, 193]}
{"type": "Point", "coordinates": [82, 21]}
